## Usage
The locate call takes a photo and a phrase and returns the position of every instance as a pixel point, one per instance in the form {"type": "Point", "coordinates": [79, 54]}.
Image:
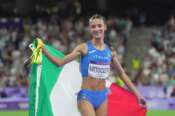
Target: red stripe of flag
{"type": "Point", "coordinates": [121, 102]}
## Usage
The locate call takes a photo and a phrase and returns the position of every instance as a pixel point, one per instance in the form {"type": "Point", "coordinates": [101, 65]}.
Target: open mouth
{"type": "Point", "coordinates": [97, 33]}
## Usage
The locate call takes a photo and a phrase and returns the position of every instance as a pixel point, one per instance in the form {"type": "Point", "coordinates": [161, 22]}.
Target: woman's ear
{"type": "Point", "coordinates": [105, 27]}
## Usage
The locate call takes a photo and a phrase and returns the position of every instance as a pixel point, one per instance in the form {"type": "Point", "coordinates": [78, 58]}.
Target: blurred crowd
{"type": "Point", "coordinates": [157, 67]}
{"type": "Point", "coordinates": [64, 34]}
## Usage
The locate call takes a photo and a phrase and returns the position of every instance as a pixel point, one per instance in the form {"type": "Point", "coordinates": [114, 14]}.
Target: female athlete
{"type": "Point", "coordinates": [96, 58]}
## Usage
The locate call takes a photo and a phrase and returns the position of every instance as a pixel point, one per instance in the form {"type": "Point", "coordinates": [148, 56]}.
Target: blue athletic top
{"type": "Point", "coordinates": [96, 63]}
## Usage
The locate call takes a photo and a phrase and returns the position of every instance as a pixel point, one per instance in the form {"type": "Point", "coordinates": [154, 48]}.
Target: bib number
{"type": "Point", "coordinates": [100, 71]}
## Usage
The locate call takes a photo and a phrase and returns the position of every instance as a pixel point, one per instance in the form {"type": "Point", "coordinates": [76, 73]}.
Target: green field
{"type": "Point", "coordinates": [161, 113]}
{"type": "Point", "coordinates": [150, 113]}
{"type": "Point", "coordinates": [13, 113]}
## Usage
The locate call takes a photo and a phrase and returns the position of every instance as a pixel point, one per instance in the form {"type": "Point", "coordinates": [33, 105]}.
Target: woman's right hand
{"type": "Point", "coordinates": [40, 43]}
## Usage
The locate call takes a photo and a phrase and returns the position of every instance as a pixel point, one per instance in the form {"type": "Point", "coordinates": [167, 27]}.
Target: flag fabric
{"type": "Point", "coordinates": [121, 102]}
{"type": "Point", "coordinates": [53, 91]}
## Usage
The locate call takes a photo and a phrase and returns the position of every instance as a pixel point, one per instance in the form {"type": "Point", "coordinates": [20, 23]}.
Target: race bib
{"type": "Point", "coordinates": [100, 71]}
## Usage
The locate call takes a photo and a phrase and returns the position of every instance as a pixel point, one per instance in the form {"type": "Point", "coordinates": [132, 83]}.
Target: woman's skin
{"type": "Point", "coordinates": [97, 28]}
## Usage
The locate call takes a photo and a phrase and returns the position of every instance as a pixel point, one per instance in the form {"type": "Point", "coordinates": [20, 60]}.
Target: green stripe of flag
{"type": "Point", "coordinates": [49, 74]}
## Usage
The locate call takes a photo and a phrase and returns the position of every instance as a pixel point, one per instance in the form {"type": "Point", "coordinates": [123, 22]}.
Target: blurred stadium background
{"type": "Point", "coordinates": [142, 32]}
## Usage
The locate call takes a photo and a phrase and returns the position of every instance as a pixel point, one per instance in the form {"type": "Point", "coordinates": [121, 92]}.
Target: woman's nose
{"type": "Point", "coordinates": [97, 28]}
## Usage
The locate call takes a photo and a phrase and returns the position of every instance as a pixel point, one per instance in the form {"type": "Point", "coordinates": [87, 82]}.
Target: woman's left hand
{"type": "Point", "coordinates": [142, 101]}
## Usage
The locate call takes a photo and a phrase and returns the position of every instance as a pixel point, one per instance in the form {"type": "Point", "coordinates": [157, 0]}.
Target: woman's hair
{"type": "Point", "coordinates": [97, 16]}
{"type": "Point", "coordinates": [109, 45]}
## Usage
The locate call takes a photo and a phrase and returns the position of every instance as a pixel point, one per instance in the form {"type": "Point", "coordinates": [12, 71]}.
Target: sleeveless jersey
{"type": "Point", "coordinates": [96, 63]}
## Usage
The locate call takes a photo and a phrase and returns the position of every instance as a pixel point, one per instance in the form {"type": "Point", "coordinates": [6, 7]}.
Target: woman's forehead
{"type": "Point", "coordinates": [96, 21]}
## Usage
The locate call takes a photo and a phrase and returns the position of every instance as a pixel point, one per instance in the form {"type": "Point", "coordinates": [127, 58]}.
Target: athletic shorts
{"type": "Point", "coordinates": [95, 97]}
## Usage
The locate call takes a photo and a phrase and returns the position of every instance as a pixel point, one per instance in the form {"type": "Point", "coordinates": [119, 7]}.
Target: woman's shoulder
{"type": "Point", "coordinates": [83, 48]}
{"type": "Point", "coordinates": [83, 45]}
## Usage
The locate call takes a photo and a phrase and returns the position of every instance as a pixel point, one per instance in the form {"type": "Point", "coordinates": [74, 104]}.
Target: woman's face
{"type": "Point", "coordinates": [97, 28]}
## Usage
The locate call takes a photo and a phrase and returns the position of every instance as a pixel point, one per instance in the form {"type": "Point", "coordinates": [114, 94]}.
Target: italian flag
{"type": "Point", "coordinates": [53, 91]}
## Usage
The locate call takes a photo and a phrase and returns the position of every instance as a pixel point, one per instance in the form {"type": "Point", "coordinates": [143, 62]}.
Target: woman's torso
{"type": "Point", "coordinates": [95, 67]}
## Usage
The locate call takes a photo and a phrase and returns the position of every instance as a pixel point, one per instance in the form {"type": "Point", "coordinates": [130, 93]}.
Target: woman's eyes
{"type": "Point", "coordinates": [98, 25]}
{"type": "Point", "coordinates": [93, 26]}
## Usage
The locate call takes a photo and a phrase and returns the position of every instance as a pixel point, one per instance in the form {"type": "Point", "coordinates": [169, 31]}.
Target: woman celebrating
{"type": "Point", "coordinates": [96, 58]}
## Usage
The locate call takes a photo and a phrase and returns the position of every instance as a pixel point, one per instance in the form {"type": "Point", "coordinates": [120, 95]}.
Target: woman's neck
{"type": "Point", "coordinates": [98, 43]}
